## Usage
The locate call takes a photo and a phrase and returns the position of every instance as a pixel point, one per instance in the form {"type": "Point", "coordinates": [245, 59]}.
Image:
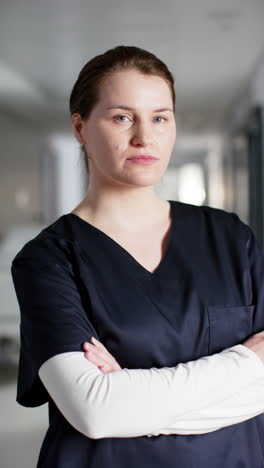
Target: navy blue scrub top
{"type": "Point", "coordinates": [73, 281]}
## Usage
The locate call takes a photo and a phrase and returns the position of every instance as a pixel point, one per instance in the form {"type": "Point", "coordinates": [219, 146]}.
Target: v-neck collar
{"type": "Point", "coordinates": [86, 225]}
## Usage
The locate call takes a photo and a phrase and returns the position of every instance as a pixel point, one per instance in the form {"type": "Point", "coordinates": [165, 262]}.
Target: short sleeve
{"type": "Point", "coordinates": [54, 316]}
{"type": "Point", "coordinates": [254, 274]}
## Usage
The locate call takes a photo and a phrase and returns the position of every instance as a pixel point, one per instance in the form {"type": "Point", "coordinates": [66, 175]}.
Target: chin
{"type": "Point", "coordinates": [144, 181]}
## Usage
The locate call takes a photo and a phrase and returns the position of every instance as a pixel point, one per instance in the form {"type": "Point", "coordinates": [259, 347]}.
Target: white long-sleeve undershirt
{"type": "Point", "coordinates": [196, 397]}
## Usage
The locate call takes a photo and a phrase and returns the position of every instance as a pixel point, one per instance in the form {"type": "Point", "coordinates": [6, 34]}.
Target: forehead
{"type": "Point", "coordinates": [135, 89]}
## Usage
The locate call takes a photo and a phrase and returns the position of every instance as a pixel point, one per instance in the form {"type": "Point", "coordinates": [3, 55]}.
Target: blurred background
{"type": "Point", "coordinates": [215, 51]}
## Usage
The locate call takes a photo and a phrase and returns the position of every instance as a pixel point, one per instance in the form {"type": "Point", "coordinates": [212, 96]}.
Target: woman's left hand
{"type": "Point", "coordinates": [98, 355]}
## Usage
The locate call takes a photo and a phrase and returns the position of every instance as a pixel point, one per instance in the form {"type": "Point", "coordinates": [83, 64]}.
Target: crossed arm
{"type": "Point", "coordinates": [191, 398]}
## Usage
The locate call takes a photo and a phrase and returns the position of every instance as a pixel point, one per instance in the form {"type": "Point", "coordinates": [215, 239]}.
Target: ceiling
{"type": "Point", "coordinates": [211, 47]}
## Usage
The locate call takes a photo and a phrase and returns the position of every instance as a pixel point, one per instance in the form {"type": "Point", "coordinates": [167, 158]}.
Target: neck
{"type": "Point", "coordinates": [137, 207]}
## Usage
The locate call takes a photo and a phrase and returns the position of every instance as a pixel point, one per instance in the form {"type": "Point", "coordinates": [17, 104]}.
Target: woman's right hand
{"type": "Point", "coordinates": [100, 356]}
{"type": "Point", "coordinates": [256, 343]}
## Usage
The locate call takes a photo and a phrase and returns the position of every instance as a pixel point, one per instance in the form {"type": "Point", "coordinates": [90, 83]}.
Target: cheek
{"type": "Point", "coordinates": [111, 152]}
{"type": "Point", "coordinates": [169, 139]}
{"type": "Point", "coordinates": [117, 145]}
{"type": "Point", "coordinates": [105, 146]}
{"type": "Point", "coordinates": [111, 140]}
{"type": "Point", "coordinates": [117, 148]}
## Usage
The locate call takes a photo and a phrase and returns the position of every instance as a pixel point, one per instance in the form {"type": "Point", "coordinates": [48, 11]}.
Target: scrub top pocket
{"type": "Point", "coordinates": [229, 326]}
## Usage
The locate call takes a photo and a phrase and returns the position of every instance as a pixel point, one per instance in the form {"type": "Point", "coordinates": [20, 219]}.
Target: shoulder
{"type": "Point", "coordinates": [213, 220]}
{"type": "Point", "coordinates": [204, 211]}
{"type": "Point", "coordinates": [54, 243]}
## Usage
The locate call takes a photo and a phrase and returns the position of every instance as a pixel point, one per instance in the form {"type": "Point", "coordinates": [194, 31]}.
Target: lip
{"type": "Point", "coordinates": [142, 159]}
{"type": "Point", "coordinates": [145, 157]}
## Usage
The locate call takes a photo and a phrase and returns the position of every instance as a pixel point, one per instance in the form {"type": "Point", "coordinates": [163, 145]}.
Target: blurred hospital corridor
{"type": "Point", "coordinates": [216, 53]}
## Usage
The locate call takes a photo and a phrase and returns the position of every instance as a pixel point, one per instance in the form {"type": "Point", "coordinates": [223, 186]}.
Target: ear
{"type": "Point", "coordinates": [78, 127]}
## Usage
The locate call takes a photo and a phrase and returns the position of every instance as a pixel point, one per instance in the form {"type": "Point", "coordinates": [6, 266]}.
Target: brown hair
{"type": "Point", "coordinates": [85, 92]}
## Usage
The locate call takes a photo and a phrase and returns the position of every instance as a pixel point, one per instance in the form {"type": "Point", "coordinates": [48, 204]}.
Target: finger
{"type": "Point", "coordinates": [104, 369]}
{"type": "Point", "coordinates": [101, 350]}
{"type": "Point", "coordinates": [87, 346]}
{"type": "Point", "coordinates": [99, 344]}
{"type": "Point", "coordinates": [102, 366]}
{"type": "Point", "coordinates": [96, 359]}
{"type": "Point", "coordinates": [96, 350]}
{"type": "Point", "coordinates": [102, 355]}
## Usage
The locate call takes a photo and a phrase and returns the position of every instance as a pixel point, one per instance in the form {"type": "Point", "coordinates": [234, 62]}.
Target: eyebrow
{"type": "Point", "coordinates": [132, 109]}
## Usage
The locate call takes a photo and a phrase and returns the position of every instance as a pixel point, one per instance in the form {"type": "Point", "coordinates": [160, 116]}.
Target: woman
{"type": "Point", "coordinates": [170, 293]}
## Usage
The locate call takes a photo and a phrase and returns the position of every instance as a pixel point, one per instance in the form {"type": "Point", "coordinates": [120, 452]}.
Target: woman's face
{"type": "Point", "coordinates": [113, 134]}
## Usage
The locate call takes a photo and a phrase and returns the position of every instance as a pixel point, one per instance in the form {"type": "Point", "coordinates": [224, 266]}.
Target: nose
{"type": "Point", "coordinates": [142, 134]}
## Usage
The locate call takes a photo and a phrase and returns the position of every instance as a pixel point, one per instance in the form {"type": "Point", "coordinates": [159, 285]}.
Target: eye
{"type": "Point", "coordinates": [161, 117]}
{"type": "Point", "coordinates": [117, 117]}
{"type": "Point", "coordinates": [120, 115]}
